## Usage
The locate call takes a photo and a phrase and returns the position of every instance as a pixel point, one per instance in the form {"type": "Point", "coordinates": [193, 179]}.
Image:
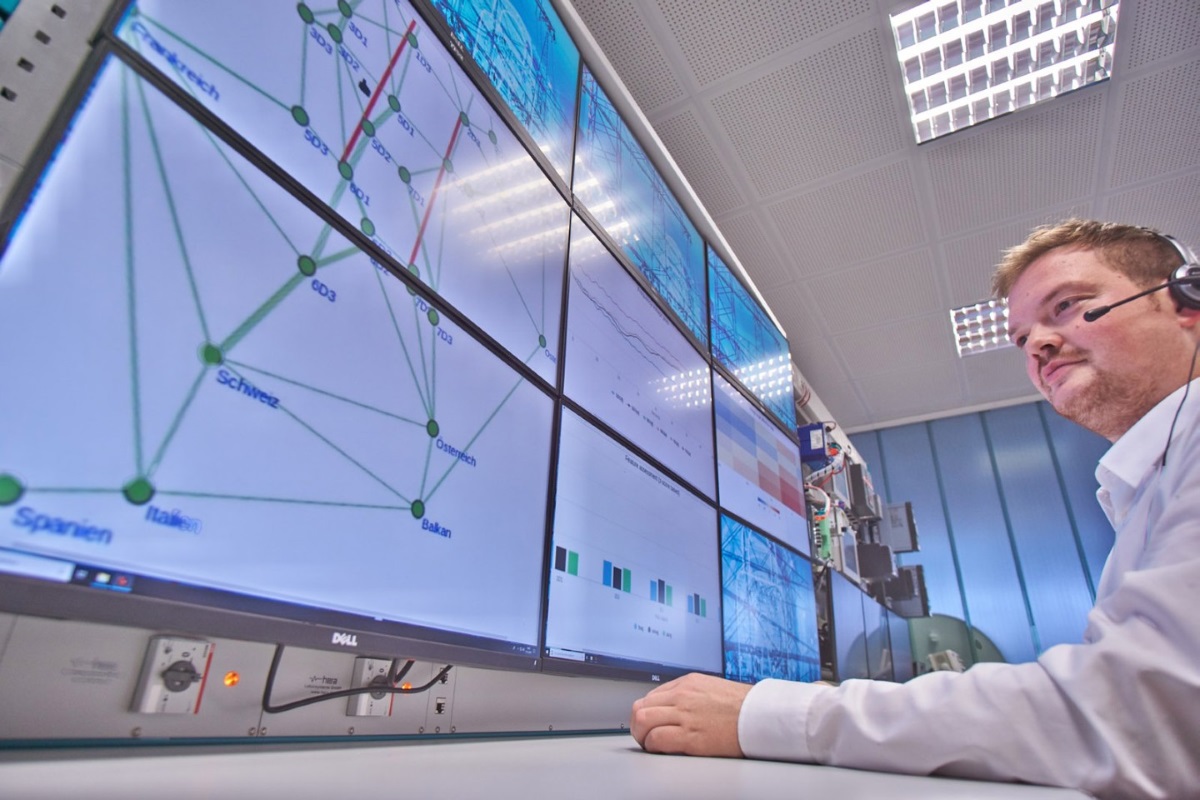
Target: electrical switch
{"type": "Point", "coordinates": [172, 677]}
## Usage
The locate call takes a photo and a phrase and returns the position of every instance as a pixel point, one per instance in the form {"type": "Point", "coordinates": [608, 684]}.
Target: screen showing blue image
{"type": "Point", "coordinates": [849, 631]}
{"type": "Point", "coordinates": [769, 606]}
{"type": "Point", "coordinates": [634, 579]}
{"type": "Point", "coordinates": [758, 468]}
{"type": "Point", "coordinates": [362, 105]}
{"type": "Point", "coordinates": [621, 189]}
{"type": "Point", "coordinates": [628, 364]}
{"type": "Point", "coordinates": [235, 398]}
{"type": "Point", "coordinates": [746, 342]}
{"type": "Point", "coordinates": [529, 57]}
{"type": "Point", "coordinates": [879, 649]}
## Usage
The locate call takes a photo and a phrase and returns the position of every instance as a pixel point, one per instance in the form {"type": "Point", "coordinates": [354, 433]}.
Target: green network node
{"type": "Point", "coordinates": [211, 355]}
{"type": "Point", "coordinates": [405, 175]}
{"type": "Point", "coordinates": [138, 491]}
{"type": "Point", "coordinates": [466, 121]}
{"type": "Point", "coordinates": [345, 8]}
{"type": "Point", "coordinates": [307, 265]}
{"type": "Point", "coordinates": [305, 13]}
{"type": "Point", "coordinates": [335, 33]}
{"type": "Point", "coordinates": [432, 428]}
{"type": "Point", "coordinates": [541, 340]}
{"type": "Point", "coordinates": [412, 268]}
{"type": "Point", "coordinates": [412, 39]}
{"type": "Point", "coordinates": [448, 165]}
{"type": "Point", "coordinates": [368, 127]}
{"type": "Point", "coordinates": [367, 226]}
{"type": "Point", "coordinates": [345, 170]}
{"type": "Point", "coordinates": [300, 115]}
{"type": "Point", "coordinates": [433, 316]}
{"type": "Point", "coordinates": [492, 136]}
{"type": "Point", "coordinates": [394, 102]}
{"type": "Point", "coordinates": [418, 509]}
{"type": "Point", "coordinates": [10, 490]}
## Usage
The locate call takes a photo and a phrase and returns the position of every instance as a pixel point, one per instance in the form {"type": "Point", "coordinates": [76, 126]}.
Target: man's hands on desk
{"type": "Point", "coordinates": [696, 715]}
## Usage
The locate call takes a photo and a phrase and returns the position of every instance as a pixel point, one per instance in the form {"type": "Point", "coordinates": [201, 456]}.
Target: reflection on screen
{"type": "Point", "coordinates": [769, 607]}
{"type": "Point", "coordinates": [624, 192]}
{"type": "Point", "coordinates": [901, 644]}
{"type": "Point", "coordinates": [849, 635]}
{"type": "Point", "coordinates": [879, 652]}
{"type": "Point", "coordinates": [746, 341]}
{"type": "Point", "coordinates": [529, 57]}
{"type": "Point", "coordinates": [758, 468]}
{"type": "Point", "coordinates": [630, 366]}
{"type": "Point", "coordinates": [362, 105]}
{"type": "Point", "coordinates": [634, 573]}
{"type": "Point", "coordinates": [233, 396]}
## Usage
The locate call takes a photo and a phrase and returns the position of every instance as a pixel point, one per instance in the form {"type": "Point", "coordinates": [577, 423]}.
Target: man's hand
{"type": "Point", "coordinates": [696, 715]}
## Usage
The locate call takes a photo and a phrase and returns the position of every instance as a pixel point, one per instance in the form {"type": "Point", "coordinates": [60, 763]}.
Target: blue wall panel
{"type": "Point", "coordinates": [994, 599]}
{"type": "Point", "coordinates": [907, 471]}
{"type": "Point", "coordinates": [1049, 556]}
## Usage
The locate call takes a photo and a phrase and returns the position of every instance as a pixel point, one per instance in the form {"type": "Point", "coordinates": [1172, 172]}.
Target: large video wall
{"type": "Point", "coordinates": [377, 317]}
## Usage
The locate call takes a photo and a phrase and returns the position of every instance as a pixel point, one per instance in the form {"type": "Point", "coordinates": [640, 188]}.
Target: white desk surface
{"type": "Point", "coordinates": [610, 767]}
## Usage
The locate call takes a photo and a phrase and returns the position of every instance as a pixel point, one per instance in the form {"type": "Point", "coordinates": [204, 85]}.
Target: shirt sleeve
{"type": "Point", "coordinates": [1116, 716]}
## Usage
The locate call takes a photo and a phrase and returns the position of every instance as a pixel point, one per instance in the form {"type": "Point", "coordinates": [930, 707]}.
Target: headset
{"type": "Point", "coordinates": [1183, 285]}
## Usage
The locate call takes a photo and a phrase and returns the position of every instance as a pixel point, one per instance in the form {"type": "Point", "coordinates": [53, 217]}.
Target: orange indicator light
{"type": "Point", "coordinates": [406, 686]}
{"type": "Point", "coordinates": [232, 678]}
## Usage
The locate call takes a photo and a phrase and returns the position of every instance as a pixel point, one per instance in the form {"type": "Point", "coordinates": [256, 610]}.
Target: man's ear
{"type": "Point", "coordinates": [1188, 317]}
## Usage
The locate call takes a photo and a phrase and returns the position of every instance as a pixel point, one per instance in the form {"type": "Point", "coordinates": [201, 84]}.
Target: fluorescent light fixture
{"type": "Point", "coordinates": [966, 61]}
{"type": "Point", "coordinates": [980, 327]}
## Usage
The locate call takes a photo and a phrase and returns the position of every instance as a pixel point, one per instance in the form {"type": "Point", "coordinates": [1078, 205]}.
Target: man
{"type": "Point", "coordinates": [1117, 715]}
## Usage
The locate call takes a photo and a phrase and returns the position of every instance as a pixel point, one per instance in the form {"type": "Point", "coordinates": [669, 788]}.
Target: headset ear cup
{"type": "Point", "coordinates": [1186, 295]}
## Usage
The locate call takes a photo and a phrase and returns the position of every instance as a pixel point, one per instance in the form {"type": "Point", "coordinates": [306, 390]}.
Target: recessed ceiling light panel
{"type": "Point", "coordinates": [980, 327]}
{"type": "Point", "coordinates": [966, 61]}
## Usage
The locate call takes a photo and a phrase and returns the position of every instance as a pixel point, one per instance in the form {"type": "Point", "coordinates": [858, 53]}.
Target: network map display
{"type": "Point", "coordinates": [620, 187]}
{"type": "Point", "coordinates": [758, 468]}
{"type": "Point", "coordinates": [769, 606]}
{"type": "Point", "coordinates": [849, 634]}
{"type": "Point", "coordinates": [363, 106]}
{"type": "Point", "coordinates": [634, 581]}
{"type": "Point", "coordinates": [530, 59]}
{"type": "Point", "coordinates": [628, 364]}
{"type": "Point", "coordinates": [746, 341]}
{"type": "Point", "coordinates": [233, 396]}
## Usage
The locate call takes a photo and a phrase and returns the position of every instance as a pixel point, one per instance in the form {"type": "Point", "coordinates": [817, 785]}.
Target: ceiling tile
{"type": "Point", "coordinates": [624, 37]}
{"type": "Point", "coordinates": [1158, 29]}
{"type": "Point", "coordinates": [997, 375]}
{"type": "Point", "coordinates": [696, 157]}
{"type": "Point", "coordinates": [1170, 206]}
{"type": "Point", "coordinates": [844, 404]}
{"type": "Point", "coordinates": [718, 37]}
{"type": "Point", "coordinates": [1159, 124]}
{"type": "Point", "coordinates": [1031, 159]}
{"type": "Point", "coordinates": [863, 217]}
{"type": "Point", "coordinates": [796, 123]}
{"type": "Point", "coordinates": [752, 245]}
{"type": "Point", "coordinates": [902, 344]}
{"type": "Point", "coordinates": [928, 389]}
{"type": "Point", "coordinates": [883, 291]}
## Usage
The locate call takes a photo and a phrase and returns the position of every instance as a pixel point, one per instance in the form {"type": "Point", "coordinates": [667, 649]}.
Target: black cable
{"type": "Point", "coordinates": [308, 701]}
{"type": "Point", "coordinates": [1187, 388]}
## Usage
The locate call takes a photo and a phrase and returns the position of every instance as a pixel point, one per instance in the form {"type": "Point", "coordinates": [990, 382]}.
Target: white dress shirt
{"type": "Point", "coordinates": [1117, 715]}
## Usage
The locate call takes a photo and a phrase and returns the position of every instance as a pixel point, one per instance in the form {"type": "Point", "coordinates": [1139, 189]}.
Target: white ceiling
{"type": "Point", "coordinates": [788, 120]}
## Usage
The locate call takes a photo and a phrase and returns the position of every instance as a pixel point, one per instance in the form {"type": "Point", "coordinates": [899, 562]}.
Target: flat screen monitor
{"type": "Point", "coordinates": [634, 586]}
{"type": "Point", "coordinates": [879, 650]}
{"type": "Point", "coordinates": [898, 528]}
{"type": "Point", "coordinates": [237, 413]}
{"type": "Point", "coordinates": [849, 629]}
{"type": "Point", "coordinates": [620, 187]}
{"type": "Point", "coordinates": [769, 608]}
{"type": "Point", "coordinates": [529, 57]}
{"type": "Point", "coordinates": [899, 638]}
{"type": "Point", "coordinates": [758, 468]}
{"type": "Point", "coordinates": [628, 364]}
{"type": "Point", "coordinates": [747, 343]}
{"type": "Point", "coordinates": [362, 105]}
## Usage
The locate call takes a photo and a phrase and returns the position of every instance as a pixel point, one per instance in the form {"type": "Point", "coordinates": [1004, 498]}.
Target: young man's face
{"type": "Point", "coordinates": [1105, 374]}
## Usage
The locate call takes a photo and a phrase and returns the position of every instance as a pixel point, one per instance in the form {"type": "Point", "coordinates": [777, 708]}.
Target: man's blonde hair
{"type": "Point", "coordinates": [1140, 254]}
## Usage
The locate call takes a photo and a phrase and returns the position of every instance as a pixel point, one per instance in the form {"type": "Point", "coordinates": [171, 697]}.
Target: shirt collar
{"type": "Point", "coordinates": [1135, 455]}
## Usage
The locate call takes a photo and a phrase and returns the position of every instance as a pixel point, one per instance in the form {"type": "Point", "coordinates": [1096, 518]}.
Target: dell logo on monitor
{"type": "Point", "coordinates": [345, 639]}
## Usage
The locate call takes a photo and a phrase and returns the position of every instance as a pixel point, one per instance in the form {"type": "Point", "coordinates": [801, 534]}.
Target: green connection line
{"type": "Point", "coordinates": [421, 351]}
{"type": "Point", "coordinates": [285, 500]}
{"type": "Point", "coordinates": [212, 60]}
{"type": "Point", "coordinates": [412, 373]}
{"type": "Point", "coordinates": [162, 172]}
{"type": "Point", "coordinates": [162, 448]}
{"type": "Point", "coordinates": [261, 312]}
{"type": "Point", "coordinates": [467, 447]}
{"type": "Point", "coordinates": [331, 395]}
{"type": "Point", "coordinates": [130, 285]}
{"type": "Point", "coordinates": [71, 490]}
{"type": "Point", "coordinates": [303, 63]}
{"type": "Point", "coordinates": [336, 257]}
